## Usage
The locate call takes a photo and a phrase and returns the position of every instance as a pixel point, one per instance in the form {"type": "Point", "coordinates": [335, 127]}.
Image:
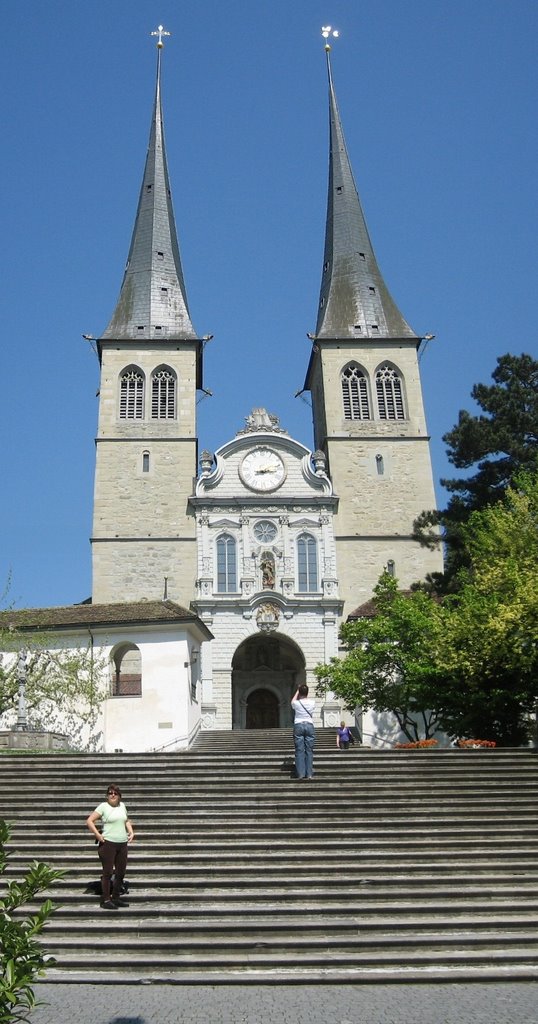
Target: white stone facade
{"type": "Point", "coordinates": [267, 506]}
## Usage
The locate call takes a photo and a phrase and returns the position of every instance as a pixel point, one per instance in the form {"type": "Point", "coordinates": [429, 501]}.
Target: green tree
{"type": "Point", "coordinates": [466, 664]}
{"type": "Point", "coordinates": [489, 643]}
{"type": "Point", "coordinates": [23, 959]}
{"type": "Point", "coordinates": [391, 662]}
{"type": "Point", "coordinates": [498, 444]}
{"type": "Point", "coordinates": [64, 687]}
{"type": "Point", "coordinates": [501, 442]}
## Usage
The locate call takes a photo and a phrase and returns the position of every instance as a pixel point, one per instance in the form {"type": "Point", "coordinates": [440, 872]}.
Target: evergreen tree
{"type": "Point", "coordinates": [499, 443]}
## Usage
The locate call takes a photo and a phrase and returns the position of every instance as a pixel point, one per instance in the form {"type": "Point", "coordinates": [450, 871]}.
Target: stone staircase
{"type": "Point", "coordinates": [389, 866]}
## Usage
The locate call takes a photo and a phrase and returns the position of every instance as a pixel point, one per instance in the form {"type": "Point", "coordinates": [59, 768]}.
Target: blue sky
{"type": "Point", "coordinates": [438, 103]}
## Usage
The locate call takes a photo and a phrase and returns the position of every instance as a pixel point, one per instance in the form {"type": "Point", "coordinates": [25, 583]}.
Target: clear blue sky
{"type": "Point", "coordinates": [438, 103]}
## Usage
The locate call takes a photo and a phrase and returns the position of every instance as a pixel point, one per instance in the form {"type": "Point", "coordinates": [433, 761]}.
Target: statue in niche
{"type": "Point", "coordinates": [267, 566]}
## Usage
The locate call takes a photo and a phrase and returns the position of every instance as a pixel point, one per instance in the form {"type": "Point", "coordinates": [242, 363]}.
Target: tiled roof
{"type": "Point", "coordinates": [365, 611]}
{"type": "Point", "coordinates": [368, 610]}
{"type": "Point", "coordinates": [73, 615]}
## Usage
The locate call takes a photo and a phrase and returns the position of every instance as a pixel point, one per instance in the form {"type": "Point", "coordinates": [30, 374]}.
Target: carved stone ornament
{"type": "Point", "coordinates": [260, 419]}
{"type": "Point", "coordinates": [267, 617]}
{"type": "Point", "coordinates": [206, 462]}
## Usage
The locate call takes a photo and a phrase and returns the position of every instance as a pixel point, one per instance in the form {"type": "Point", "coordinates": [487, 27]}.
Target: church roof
{"type": "Point", "coordinates": [354, 299]}
{"type": "Point", "coordinates": [134, 613]}
{"type": "Point", "coordinates": [153, 300]}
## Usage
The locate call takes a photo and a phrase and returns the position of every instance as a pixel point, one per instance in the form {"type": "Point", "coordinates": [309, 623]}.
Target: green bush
{"type": "Point", "coordinates": [22, 958]}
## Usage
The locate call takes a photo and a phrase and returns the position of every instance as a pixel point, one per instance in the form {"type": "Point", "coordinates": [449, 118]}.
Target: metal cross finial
{"type": "Point", "coordinates": [160, 32]}
{"type": "Point", "coordinates": [327, 31]}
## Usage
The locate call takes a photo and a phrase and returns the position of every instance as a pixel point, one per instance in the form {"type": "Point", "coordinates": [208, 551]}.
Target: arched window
{"type": "Point", "coordinates": [307, 564]}
{"type": "Point", "coordinates": [163, 394]}
{"type": "Point", "coordinates": [226, 564]}
{"type": "Point", "coordinates": [132, 394]}
{"type": "Point", "coordinates": [389, 394]}
{"type": "Point", "coordinates": [145, 462]}
{"type": "Point", "coordinates": [127, 663]}
{"type": "Point", "coordinates": [355, 393]}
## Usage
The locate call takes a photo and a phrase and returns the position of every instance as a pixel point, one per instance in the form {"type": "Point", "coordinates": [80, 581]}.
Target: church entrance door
{"type": "Point", "coordinates": [262, 710]}
{"type": "Point", "coordinates": [266, 671]}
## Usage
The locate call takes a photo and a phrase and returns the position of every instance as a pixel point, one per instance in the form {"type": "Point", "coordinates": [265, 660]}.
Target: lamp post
{"type": "Point", "coordinates": [22, 670]}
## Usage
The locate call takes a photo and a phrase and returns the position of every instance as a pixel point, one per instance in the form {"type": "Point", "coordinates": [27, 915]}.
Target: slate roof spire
{"type": "Point", "coordinates": [354, 299]}
{"type": "Point", "coordinates": [153, 301]}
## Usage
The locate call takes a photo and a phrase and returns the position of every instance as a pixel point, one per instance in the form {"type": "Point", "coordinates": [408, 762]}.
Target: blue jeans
{"type": "Point", "coordinates": [304, 739]}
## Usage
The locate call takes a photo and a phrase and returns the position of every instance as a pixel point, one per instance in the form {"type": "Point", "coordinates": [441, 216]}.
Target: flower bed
{"type": "Point", "coordinates": [416, 745]}
{"type": "Point", "coordinates": [475, 744]}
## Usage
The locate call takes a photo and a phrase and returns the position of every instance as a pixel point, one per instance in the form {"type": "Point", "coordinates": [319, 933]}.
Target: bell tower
{"type": "Point", "coordinates": [143, 539]}
{"type": "Point", "coordinates": [367, 403]}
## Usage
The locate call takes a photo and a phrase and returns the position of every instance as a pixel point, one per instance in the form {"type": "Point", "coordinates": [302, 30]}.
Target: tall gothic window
{"type": "Point", "coordinates": [355, 393]}
{"type": "Point", "coordinates": [163, 394]}
{"type": "Point", "coordinates": [226, 564]}
{"type": "Point", "coordinates": [132, 394]}
{"type": "Point", "coordinates": [389, 394]}
{"type": "Point", "coordinates": [307, 564]}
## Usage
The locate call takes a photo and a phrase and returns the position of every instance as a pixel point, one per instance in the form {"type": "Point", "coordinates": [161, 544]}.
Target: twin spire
{"type": "Point", "coordinates": [153, 300]}
{"type": "Point", "coordinates": [354, 300]}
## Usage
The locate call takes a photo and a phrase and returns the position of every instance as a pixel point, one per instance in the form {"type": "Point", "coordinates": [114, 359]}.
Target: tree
{"type": "Point", "coordinates": [489, 643]}
{"type": "Point", "coordinates": [390, 663]}
{"type": "Point", "coordinates": [466, 664]}
{"type": "Point", "coordinates": [64, 687]}
{"type": "Point", "coordinates": [499, 444]}
{"type": "Point", "coordinates": [22, 958]}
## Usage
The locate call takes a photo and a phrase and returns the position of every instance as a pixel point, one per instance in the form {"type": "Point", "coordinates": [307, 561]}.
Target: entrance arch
{"type": "Point", "coordinates": [266, 671]}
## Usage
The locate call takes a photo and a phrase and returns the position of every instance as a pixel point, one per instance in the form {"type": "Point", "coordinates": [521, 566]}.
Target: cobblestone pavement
{"type": "Point", "coordinates": [456, 1003]}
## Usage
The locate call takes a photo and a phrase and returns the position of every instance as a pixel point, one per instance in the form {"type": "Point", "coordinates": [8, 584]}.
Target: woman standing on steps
{"type": "Point", "coordinates": [113, 842]}
{"type": "Point", "coordinates": [304, 736]}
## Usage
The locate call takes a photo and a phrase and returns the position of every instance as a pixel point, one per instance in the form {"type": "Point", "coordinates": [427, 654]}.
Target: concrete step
{"type": "Point", "coordinates": [417, 863]}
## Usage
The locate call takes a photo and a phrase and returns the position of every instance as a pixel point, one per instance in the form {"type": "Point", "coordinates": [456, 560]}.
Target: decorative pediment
{"type": "Point", "coordinates": [224, 524]}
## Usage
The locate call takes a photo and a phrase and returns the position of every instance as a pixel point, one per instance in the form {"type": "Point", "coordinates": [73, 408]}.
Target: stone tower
{"type": "Point", "coordinates": [367, 399]}
{"type": "Point", "coordinates": [144, 541]}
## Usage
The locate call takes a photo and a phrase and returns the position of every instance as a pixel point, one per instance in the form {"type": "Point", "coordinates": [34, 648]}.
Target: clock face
{"type": "Point", "coordinates": [262, 470]}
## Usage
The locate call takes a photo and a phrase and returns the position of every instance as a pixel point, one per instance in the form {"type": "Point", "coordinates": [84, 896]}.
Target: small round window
{"type": "Point", "coordinates": [265, 531]}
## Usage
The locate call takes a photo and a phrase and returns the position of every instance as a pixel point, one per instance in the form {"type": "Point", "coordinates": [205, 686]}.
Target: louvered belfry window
{"type": "Point", "coordinates": [389, 394]}
{"type": "Point", "coordinates": [131, 395]}
{"type": "Point", "coordinates": [163, 395]}
{"type": "Point", "coordinates": [355, 393]}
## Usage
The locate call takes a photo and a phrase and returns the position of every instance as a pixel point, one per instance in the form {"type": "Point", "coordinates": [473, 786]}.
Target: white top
{"type": "Point", "coordinates": [301, 709]}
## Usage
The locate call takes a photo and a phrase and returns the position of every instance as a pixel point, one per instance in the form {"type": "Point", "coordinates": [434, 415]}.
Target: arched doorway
{"type": "Point", "coordinates": [266, 670]}
{"type": "Point", "coordinates": [262, 710]}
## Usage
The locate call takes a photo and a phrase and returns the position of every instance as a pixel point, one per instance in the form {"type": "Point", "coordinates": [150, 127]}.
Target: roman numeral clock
{"type": "Point", "coordinates": [262, 469]}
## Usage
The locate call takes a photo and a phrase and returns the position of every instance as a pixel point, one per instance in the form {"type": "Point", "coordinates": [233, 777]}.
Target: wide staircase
{"type": "Point", "coordinates": [390, 865]}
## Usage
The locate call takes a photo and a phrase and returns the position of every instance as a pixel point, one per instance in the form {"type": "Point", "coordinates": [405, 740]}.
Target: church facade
{"type": "Point", "coordinates": [260, 549]}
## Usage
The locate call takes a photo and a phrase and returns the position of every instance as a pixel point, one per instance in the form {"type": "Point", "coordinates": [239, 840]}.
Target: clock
{"type": "Point", "coordinates": [262, 470]}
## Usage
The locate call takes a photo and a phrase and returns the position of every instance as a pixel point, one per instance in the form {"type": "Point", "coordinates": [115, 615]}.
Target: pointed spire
{"type": "Point", "coordinates": [153, 300]}
{"type": "Point", "coordinates": [354, 299]}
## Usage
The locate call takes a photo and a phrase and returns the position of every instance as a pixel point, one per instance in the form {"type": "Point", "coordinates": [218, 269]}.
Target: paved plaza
{"type": "Point", "coordinates": [493, 1003]}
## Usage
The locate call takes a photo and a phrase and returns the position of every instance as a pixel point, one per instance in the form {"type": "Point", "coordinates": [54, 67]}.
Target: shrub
{"type": "Point", "coordinates": [22, 958]}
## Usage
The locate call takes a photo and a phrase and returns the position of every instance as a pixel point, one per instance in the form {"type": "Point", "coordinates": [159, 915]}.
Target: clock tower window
{"type": "Point", "coordinates": [163, 394]}
{"type": "Point", "coordinates": [132, 394]}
